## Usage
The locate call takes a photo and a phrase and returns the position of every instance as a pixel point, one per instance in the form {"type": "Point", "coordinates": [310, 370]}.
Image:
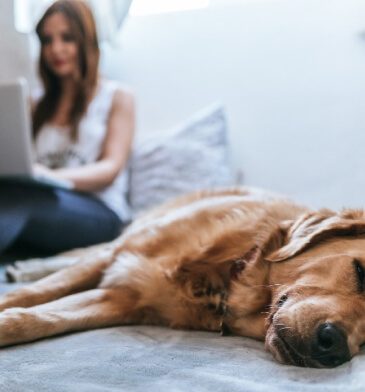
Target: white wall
{"type": "Point", "coordinates": [14, 46]}
{"type": "Point", "coordinates": [292, 76]}
{"type": "Point", "coordinates": [290, 72]}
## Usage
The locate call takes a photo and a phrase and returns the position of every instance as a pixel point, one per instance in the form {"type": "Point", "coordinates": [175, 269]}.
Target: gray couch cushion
{"type": "Point", "coordinates": [190, 156]}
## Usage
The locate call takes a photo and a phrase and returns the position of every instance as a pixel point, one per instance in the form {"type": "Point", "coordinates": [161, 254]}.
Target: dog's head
{"type": "Point", "coordinates": [316, 280]}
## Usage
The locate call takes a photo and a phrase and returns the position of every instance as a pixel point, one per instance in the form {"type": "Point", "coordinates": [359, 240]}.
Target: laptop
{"type": "Point", "coordinates": [16, 148]}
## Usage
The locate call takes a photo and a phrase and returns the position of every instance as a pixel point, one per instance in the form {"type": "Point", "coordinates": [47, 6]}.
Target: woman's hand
{"type": "Point", "coordinates": [45, 172]}
{"type": "Point", "coordinates": [48, 174]}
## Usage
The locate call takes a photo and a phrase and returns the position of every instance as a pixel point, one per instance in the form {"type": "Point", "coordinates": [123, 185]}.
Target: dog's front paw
{"type": "Point", "coordinates": [212, 296]}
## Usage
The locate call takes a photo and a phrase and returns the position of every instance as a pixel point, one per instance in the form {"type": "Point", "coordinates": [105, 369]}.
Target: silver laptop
{"type": "Point", "coordinates": [16, 149]}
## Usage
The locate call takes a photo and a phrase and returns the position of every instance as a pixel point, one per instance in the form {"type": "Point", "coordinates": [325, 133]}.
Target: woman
{"type": "Point", "coordinates": [83, 128]}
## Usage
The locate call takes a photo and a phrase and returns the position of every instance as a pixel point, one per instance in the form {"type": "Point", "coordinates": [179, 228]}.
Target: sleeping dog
{"type": "Point", "coordinates": [232, 260]}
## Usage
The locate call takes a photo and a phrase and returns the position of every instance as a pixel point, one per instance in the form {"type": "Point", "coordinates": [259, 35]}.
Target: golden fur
{"type": "Point", "coordinates": [229, 260]}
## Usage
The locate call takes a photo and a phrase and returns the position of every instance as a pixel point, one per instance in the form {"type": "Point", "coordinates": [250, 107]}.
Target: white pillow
{"type": "Point", "coordinates": [190, 156]}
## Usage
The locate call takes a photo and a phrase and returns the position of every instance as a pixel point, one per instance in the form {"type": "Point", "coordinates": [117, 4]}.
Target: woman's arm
{"type": "Point", "coordinates": [114, 156]}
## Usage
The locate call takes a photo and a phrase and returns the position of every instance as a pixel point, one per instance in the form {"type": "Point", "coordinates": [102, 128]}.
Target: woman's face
{"type": "Point", "coordinates": [59, 48]}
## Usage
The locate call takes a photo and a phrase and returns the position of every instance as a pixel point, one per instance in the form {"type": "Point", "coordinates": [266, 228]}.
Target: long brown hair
{"type": "Point", "coordinates": [83, 28]}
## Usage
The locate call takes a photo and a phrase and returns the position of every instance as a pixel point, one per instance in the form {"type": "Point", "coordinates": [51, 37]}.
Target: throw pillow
{"type": "Point", "coordinates": [190, 156]}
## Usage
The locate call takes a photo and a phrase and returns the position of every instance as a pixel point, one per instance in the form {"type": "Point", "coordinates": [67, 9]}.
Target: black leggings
{"type": "Point", "coordinates": [52, 219]}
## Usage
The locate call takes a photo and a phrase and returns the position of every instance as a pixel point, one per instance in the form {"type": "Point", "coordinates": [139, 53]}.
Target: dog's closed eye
{"type": "Point", "coordinates": [360, 273]}
{"type": "Point", "coordinates": [282, 300]}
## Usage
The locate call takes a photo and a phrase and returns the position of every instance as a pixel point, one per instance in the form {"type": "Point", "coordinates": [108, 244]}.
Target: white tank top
{"type": "Point", "coordinates": [55, 149]}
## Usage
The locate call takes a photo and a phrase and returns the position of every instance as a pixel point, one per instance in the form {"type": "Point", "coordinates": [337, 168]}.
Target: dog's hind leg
{"type": "Point", "coordinates": [83, 275]}
{"type": "Point", "coordinates": [87, 310]}
{"type": "Point", "coordinates": [35, 269]}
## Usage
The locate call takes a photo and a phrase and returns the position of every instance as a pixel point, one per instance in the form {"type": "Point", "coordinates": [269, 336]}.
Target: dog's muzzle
{"type": "Point", "coordinates": [326, 348]}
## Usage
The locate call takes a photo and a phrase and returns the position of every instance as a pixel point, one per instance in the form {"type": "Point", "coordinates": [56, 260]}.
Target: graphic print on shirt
{"type": "Point", "coordinates": [58, 159]}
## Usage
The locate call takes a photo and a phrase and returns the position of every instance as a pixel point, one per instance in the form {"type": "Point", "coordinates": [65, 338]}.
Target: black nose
{"type": "Point", "coordinates": [330, 347]}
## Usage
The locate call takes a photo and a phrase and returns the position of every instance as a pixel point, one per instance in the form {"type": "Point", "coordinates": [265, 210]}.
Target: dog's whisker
{"type": "Point", "coordinates": [283, 328]}
{"type": "Point", "coordinates": [266, 286]}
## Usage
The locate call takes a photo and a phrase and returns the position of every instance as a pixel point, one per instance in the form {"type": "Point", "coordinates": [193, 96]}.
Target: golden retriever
{"type": "Point", "coordinates": [230, 260]}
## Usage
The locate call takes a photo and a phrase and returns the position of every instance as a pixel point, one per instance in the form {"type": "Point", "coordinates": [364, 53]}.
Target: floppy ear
{"type": "Point", "coordinates": [314, 227]}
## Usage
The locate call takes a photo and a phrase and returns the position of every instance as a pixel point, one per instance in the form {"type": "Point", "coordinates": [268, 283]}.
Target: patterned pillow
{"type": "Point", "coordinates": [191, 156]}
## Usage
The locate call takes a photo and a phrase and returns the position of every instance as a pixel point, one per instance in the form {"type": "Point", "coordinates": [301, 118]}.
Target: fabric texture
{"type": "Point", "coordinates": [155, 359]}
{"type": "Point", "coordinates": [55, 149]}
{"type": "Point", "coordinates": [190, 156]}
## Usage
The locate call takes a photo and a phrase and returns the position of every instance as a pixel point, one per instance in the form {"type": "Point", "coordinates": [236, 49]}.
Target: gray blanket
{"type": "Point", "coordinates": [141, 358]}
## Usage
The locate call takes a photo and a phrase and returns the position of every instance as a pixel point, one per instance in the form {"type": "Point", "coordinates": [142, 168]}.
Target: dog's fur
{"type": "Point", "coordinates": [227, 260]}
